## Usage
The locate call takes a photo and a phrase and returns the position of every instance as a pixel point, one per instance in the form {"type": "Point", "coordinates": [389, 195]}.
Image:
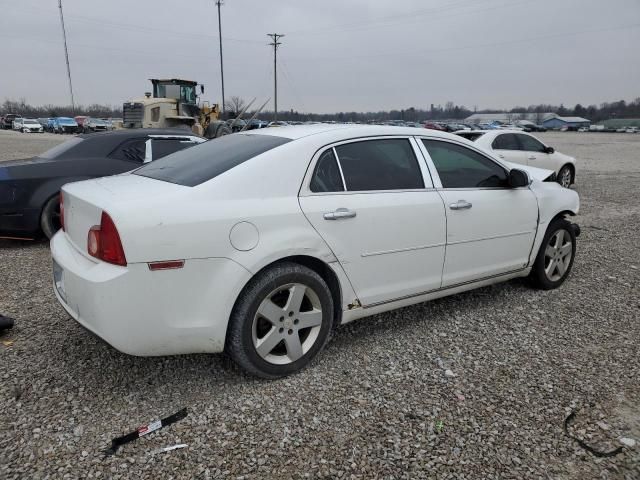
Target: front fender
{"type": "Point", "coordinates": [553, 200]}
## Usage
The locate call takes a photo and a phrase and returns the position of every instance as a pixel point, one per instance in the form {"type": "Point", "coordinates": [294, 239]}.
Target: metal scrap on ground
{"type": "Point", "coordinates": [145, 430]}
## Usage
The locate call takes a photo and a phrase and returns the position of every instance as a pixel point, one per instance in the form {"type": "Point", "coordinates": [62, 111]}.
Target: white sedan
{"type": "Point", "coordinates": [517, 146]}
{"type": "Point", "coordinates": [260, 243]}
{"type": "Point", "coordinates": [30, 126]}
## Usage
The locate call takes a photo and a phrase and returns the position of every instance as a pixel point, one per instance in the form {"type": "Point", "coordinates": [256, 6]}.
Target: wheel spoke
{"type": "Point", "coordinates": [296, 295]}
{"type": "Point", "coordinates": [559, 238]}
{"type": "Point", "coordinates": [550, 251]}
{"type": "Point", "coordinates": [268, 342]}
{"type": "Point", "coordinates": [270, 311]}
{"type": "Point", "coordinates": [294, 347]}
{"type": "Point", "coordinates": [566, 249]}
{"type": "Point", "coordinates": [550, 268]}
{"type": "Point", "coordinates": [310, 319]}
{"type": "Point", "coordinates": [561, 267]}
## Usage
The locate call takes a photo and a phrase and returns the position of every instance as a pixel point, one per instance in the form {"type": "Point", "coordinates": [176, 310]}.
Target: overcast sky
{"type": "Point", "coordinates": [337, 55]}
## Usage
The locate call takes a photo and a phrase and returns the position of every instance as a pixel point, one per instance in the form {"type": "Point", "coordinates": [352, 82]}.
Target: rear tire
{"type": "Point", "coordinates": [280, 322]}
{"type": "Point", "coordinates": [555, 257]}
{"type": "Point", "coordinates": [50, 217]}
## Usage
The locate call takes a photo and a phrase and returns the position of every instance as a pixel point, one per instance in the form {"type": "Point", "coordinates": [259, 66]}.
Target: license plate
{"type": "Point", "coordinates": [58, 280]}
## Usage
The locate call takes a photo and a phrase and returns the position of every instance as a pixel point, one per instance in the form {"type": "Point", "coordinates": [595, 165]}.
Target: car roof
{"type": "Point", "coordinates": [294, 132]}
{"type": "Point", "coordinates": [139, 132]}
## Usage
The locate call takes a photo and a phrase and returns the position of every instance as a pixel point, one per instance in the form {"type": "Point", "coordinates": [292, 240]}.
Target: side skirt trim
{"type": "Point", "coordinates": [449, 287]}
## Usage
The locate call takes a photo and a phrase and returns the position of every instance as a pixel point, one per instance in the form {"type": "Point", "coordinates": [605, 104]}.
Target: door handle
{"type": "Point", "coordinates": [532, 157]}
{"type": "Point", "coordinates": [500, 155]}
{"type": "Point", "coordinates": [460, 205]}
{"type": "Point", "coordinates": [339, 214]}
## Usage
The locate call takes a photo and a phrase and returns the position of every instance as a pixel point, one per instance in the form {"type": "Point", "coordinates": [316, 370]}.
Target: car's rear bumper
{"type": "Point", "coordinates": [141, 312]}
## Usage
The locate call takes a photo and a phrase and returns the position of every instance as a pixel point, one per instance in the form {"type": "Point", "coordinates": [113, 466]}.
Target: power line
{"type": "Point", "coordinates": [219, 3]}
{"type": "Point", "coordinates": [66, 56]}
{"type": "Point", "coordinates": [289, 79]}
{"type": "Point", "coordinates": [138, 28]}
{"type": "Point", "coordinates": [412, 54]}
{"type": "Point", "coordinates": [275, 43]}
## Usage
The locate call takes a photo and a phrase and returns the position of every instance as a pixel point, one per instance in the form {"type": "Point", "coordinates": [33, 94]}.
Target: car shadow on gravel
{"type": "Point", "coordinates": [85, 356]}
{"type": "Point", "coordinates": [10, 244]}
{"type": "Point", "coordinates": [433, 312]}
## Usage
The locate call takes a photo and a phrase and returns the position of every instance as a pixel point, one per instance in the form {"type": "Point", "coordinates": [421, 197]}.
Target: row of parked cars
{"type": "Point", "coordinates": [79, 124]}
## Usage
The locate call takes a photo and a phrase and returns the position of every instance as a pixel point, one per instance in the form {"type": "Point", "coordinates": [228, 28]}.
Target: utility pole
{"type": "Point", "coordinates": [275, 44]}
{"type": "Point", "coordinates": [66, 55]}
{"type": "Point", "coordinates": [219, 3]}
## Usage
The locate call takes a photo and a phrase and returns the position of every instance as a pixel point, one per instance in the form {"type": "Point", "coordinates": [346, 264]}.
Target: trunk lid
{"type": "Point", "coordinates": [85, 201]}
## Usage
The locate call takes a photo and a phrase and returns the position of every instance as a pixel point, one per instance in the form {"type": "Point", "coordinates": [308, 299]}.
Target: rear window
{"type": "Point", "coordinates": [473, 136]}
{"type": "Point", "coordinates": [203, 162]}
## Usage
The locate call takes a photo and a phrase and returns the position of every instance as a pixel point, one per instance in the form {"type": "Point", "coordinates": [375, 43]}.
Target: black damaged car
{"type": "Point", "coordinates": [29, 188]}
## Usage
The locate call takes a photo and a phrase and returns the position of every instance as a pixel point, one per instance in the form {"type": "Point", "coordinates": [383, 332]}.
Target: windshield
{"type": "Point", "coordinates": [63, 147]}
{"type": "Point", "coordinates": [66, 120]}
{"type": "Point", "coordinates": [98, 122]}
{"type": "Point", "coordinates": [33, 122]}
{"type": "Point", "coordinates": [196, 165]}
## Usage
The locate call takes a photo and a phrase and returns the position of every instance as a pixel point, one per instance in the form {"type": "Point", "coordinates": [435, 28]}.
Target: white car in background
{"type": "Point", "coordinates": [516, 146]}
{"type": "Point", "coordinates": [260, 243]}
{"type": "Point", "coordinates": [30, 125]}
{"type": "Point", "coordinates": [17, 124]}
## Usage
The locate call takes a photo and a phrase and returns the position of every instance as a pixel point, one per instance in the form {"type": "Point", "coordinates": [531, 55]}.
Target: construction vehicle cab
{"type": "Point", "coordinates": [174, 104]}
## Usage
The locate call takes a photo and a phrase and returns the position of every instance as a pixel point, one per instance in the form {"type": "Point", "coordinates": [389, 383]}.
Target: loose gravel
{"type": "Point", "coordinates": [472, 386]}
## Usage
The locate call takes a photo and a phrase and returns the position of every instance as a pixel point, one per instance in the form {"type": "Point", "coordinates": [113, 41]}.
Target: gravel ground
{"type": "Point", "coordinates": [377, 403]}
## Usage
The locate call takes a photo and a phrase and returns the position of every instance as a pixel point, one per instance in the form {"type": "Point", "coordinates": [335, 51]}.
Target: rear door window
{"type": "Point", "coordinates": [132, 150]}
{"type": "Point", "coordinates": [506, 141]}
{"type": "Point", "coordinates": [383, 164]}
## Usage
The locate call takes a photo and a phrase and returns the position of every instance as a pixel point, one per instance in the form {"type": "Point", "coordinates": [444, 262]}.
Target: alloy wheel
{"type": "Point", "coordinates": [287, 324]}
{"type": "Point", "coordinates": [565, 178]}
{"type": "Point", "coordinates": [557, 255]}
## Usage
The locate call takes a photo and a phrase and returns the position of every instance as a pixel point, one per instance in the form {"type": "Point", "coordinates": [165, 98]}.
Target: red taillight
{"type": "Point", "coordinates": [62, 211]}
{"type": "Point", "coordinates": [103, 242]}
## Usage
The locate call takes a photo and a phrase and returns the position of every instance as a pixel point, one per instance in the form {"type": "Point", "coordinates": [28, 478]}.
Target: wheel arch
{"type": "Point", "coordinates": [319, 266]}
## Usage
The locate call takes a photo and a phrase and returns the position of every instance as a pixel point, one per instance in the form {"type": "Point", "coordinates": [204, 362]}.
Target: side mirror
{"type": "Point", "coordinates": [518, 178]}
{"type": "Point", "coordinates": [202, 89]}
{"type": "Point", "coordinates": [549, 150]}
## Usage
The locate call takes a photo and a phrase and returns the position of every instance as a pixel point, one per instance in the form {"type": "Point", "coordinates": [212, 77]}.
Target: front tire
{"type": "Point", "coordinates": [555, 257]}
{"type": "Point", "coordinates": [281, 321]}
{"type": "Point", "coordinates": [223, 130]}
{"type": "Point", "coordinates": [565, 176]}
{"type": "Point", "coordinates": [50, 217]}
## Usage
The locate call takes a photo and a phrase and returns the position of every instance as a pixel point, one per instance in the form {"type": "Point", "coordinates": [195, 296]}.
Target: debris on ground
{"type": "Point", "coordinates": [583, 444]}
{"type": "Point", "coordinates": [144, 430]}
{"type": "Point", "coordinates": [168, 449]}
{"type": "Point", "coordinates": [627, 442]}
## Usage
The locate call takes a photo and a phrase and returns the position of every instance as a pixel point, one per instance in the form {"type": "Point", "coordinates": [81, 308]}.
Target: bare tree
{"type": "Point", "coordinates": [235, 105]}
